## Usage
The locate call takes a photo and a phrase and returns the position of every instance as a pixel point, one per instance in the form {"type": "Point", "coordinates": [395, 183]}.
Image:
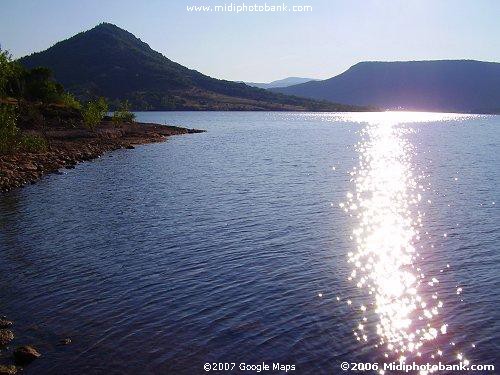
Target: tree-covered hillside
{"type": "Point", "coordinates": [111, 62]}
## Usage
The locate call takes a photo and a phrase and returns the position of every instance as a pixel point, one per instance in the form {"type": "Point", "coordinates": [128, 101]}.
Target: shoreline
{"type": "Point", "coordinates": [69, 147]}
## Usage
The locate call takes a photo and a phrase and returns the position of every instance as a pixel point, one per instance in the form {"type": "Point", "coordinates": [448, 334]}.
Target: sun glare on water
{"type": "Point", "coordinates": [386, 204]}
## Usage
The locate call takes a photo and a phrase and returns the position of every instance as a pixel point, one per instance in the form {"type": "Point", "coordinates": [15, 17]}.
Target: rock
{"type": "Point", "coordinates": [25, 354]}
{"type": "Point", "coordinates": [129, 147]}
{"type": "Point", "coordinates": [65, 341]}
{"type": "Point", "coordinates": [8, 370]}
{"type": "Point", "coordinates": [6, 336]}
{"type": "Point", "coordinates": [4, 323]}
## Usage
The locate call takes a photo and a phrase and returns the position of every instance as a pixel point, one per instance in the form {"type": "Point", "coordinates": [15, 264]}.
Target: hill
{"type": "Point", "coordinates": [111, 62]}
{"type": "Point", "coordinates": [285, 82]}
{"type": "Point", "coordinates": [443, 85]}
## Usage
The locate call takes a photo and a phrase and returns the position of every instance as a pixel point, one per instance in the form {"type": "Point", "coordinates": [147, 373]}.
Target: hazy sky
{"type": "Point", "coordinates": [267, 46]}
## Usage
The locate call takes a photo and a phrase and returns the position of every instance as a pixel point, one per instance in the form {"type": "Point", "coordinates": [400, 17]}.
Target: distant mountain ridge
{"type": "Point", "coordinates": [440, 85]}
{"type": "Point", "coordinates": [285, 82]}
{"type": "Point", "coordinates": [111, 62]}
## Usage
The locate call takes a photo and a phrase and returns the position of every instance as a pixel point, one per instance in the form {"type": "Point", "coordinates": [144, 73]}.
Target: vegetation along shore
{"type": "Point", "coordinates": [43, 128]}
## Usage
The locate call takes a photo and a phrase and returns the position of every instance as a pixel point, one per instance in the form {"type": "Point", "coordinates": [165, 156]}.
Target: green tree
{"type": "Point", "coordinates": [123, 113]}
{"type": "Point", "coordinates": [16, 83]}
{"type": "Point", "coordinates": [36, 84]}
{"type": "Point", "coordinates": [5, 71]}
{"type": "Point", "coordinates": [94, 111]}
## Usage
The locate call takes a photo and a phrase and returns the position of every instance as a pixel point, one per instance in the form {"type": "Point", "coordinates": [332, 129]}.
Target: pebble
{"type": "Point", "coordinates": [4, 323]}
{"type": "Point", "coordinates": [6, 336]}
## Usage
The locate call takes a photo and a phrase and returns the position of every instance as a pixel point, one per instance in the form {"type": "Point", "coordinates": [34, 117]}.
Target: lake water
{"type": "Point", "coordinates": [292, 238]}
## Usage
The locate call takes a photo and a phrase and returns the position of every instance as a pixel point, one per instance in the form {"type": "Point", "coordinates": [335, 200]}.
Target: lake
{"type": "Point", "coordinates": [307, 239]}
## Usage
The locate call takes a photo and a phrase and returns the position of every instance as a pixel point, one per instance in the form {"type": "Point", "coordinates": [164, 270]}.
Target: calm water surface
{"type": "Point", "coordinates": [304, 239]}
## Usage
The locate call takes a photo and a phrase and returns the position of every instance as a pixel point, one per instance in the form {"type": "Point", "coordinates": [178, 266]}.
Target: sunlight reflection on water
{"type": "Point", "coordinates": [386, 203]}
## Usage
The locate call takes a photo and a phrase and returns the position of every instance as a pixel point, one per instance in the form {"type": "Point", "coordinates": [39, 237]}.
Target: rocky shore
{"type": "Point", "coordinates": [20, 357]}
{"type": "Point", "coordinates": [13, 360]}
{"type": "Point", "coordinates": [68, 147]}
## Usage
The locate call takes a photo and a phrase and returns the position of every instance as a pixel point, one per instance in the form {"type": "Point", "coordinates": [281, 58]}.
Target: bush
{"type": "Point", "coordinates": [70, 101]}
{"type": "Point", "coordinates": [123, 113]}
{"type": "Point", "coordinates": [33, 143]}
{"type": "Point", "coordinates": [94, 112]}
{"type": "Point", "coordinates": [9, 132]}
{"type": "Point", "coordinates": [11, 138]}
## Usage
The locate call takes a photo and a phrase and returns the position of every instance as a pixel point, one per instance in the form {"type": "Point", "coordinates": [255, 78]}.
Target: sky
{"type": "Point", "coordinates": [265, 46]}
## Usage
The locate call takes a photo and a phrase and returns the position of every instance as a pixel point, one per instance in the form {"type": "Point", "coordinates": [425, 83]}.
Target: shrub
{"type": "Point", "coordinates": [9, 132]}
{"type": "Point", "coordinates": [11, 138]}
{"type": "Point", "coordinates": [33, 143]}
{"type": "Point", "coordinates": [70, 101]}
{"type": "Point", "coordinates": [123, 113]}
{"type": "Point", "coordinates": [94, 112]}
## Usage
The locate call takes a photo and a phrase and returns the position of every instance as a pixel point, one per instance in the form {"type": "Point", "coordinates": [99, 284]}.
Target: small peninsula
{"type": "Point", "coordinates": [44, 128]}
{"type": "Point", "coordinates": [68, 147]}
